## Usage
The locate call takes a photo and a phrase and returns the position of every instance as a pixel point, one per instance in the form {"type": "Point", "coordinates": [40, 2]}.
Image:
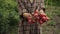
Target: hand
{"type": "Point", "coordinates": [41, 12]}
{"type": "Point", "coordinates": [27, 15]}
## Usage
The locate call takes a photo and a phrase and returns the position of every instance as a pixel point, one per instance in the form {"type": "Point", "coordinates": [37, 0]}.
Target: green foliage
{"type": "Point", "coordinates": [8, 15]}
{"type": "Point", "coordinates": [52, 2]}
{"type": "Point", "coordinates": [51, 23]}
{"type": "Point", "coordinates": [13, 19]}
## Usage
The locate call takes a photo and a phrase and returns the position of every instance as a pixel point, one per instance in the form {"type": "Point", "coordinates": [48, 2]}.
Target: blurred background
{"type": "Point", "coordinates": [9, 17]}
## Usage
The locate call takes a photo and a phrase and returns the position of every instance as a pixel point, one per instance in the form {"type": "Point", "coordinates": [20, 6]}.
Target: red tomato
{"type": "Point", "coordinates": [36, 14]}
{"type": "Point", "coordinates": [42, 15]}
{"type": "Point", "coordinates": [29, 21]}
{"type": "Point", "coordinates": [37, 17]}
{"type": "Point", "coordinates": [41, 22]}
{"type": "Point", "coordinates": [44, 19]}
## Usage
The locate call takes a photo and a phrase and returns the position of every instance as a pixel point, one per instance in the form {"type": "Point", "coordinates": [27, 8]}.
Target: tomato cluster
{"type": "Point", "coordinates": [41, 18]}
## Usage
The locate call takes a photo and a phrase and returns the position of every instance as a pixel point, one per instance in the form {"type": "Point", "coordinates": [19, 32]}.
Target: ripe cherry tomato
{"type": "Point", "coordinates": [41, 22]}
{"type": "Point", "coordinates": [44, 19]}
{"type": "Point", "coordinates": [42, 15]}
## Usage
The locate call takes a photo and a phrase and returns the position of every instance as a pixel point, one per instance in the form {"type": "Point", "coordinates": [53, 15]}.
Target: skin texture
{"type": "Point", "coordinates": [27, 15]}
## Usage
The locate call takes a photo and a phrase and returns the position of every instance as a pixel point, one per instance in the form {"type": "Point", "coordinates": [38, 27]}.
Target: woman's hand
{"type": "Point", "coordinates": [27, 15]}
{"type": "Point", "coordinates": [41, 12]}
